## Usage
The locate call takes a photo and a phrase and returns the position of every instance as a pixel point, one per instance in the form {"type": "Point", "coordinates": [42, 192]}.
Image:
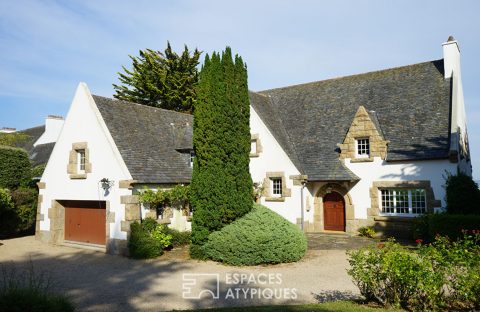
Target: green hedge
{"type": "Point", "coordinates": [261, 236]}
{"type": "Point", "coordinates": [463, 195]}
{"type": "Point", "coordinates": [15, 167]}
{"type": "Point", "coordinates": [445, 224]}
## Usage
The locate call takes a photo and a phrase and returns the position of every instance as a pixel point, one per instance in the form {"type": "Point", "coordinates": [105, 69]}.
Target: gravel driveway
{"type": "Point", "coordinates": [100, 282]}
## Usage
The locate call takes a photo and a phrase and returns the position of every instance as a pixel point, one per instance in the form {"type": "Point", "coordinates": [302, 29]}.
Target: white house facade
{"type": "Point", "coordinates": [333, 155]}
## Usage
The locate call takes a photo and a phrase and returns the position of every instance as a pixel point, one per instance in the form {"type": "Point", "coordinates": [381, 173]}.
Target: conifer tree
{"type": "Point", "coordinates": [221, 183]}
{"type": "Point", "coordinates": [166, 80]}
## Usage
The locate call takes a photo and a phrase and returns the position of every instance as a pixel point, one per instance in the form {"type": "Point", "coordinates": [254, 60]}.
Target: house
{"type": "Point", "coordinates": [39, 140]}
{"type": "Point", "coordinates": [332, 155]}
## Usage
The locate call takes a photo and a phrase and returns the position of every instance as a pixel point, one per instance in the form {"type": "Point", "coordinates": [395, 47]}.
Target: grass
{"type": "Point", "coordinates": [337, 306]}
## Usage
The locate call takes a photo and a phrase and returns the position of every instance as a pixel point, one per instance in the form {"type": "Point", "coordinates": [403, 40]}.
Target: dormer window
{"type": "Point", "coordinates": [81, 161]}
{"type": "Point", "coordinates": [362, 148]}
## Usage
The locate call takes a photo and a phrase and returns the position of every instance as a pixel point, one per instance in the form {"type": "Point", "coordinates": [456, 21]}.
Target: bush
{"type": "Point", "coordinates": [147, 239]}
{"type": "Point", "coordinates": [261, 236]}
{"type": "Point", "coordinates": [462, 194]}
{"type": "Point", "coordinates": [367, 231]}
{"type": "Point", "coordinates": [15, 167]}
{"type": "Point", "coordinates": [8, 218]}
{"type": "Point", "coordinates": [442, 275]}
{"type": "Point", "coordinates": [428, 226]}
{"type": "Point", "coordinates": [30, 292]}
{"type": "Point", "coordinates": [178, 238]}
{"type": "Point", "coordinates": [25, 200]}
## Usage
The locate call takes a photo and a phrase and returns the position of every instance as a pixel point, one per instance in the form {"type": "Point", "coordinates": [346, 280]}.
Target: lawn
{"type": "Point", "coordinates": [337, 306]}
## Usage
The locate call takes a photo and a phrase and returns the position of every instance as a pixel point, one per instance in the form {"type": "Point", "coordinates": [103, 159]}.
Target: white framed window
{"type": "Point", "coordinates": [362, 147]}
{"type": "Point", "coordinates": [192, 157]}
{"type": "Point", "coordinates": [253, 146]}
{"type": "Point", "coordinates": [402, 202]}
{"type": "Point", "coordinates": [81, 161]}
{"type": "Point", "coordinates": [276, 184]}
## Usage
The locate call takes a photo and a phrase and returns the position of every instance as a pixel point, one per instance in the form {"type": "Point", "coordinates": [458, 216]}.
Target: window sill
{"type": "Point", "coordinates": [275, 199]}
{"type": "Point", "coordinates": [360, 160]}
{"type": "Point", "coordinates": [254, 155]}
{"type": "Point", "coordinates": [78, 176]}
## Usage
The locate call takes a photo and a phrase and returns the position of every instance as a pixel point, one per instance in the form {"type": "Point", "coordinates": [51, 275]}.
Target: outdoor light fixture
{"type": "Point", "coordinates": [106, 184]}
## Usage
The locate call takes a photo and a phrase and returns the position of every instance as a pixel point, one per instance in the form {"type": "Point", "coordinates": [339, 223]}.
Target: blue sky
{"type": "Point", "coordinates": [48, 47]}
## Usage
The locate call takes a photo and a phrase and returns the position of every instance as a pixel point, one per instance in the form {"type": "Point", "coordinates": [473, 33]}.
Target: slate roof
{"type": "Point", "coordinates": [150, 140]}
{"type": "Point", "coordinates": [411, 105]}
{"type": "Point", "coordinates": [39, 154]}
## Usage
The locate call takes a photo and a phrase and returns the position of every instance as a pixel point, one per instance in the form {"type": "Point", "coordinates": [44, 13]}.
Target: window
{"type": "Point", "coordinates": [81, 160]}
{"type": "Point", "coordinates": [363, 148]}
{"type": "Point", "coordinates": [277, 187]}
{"type": "Point", "coordinates": [253, 147]}
{"type": "Point", "coordinates": [403, 202]}
{"type": "Point", "coordinates": [192, 157]}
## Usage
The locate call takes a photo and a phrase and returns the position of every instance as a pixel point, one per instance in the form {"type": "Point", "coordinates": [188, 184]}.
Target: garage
{"type": "Point", "coordinates": [85, 222]}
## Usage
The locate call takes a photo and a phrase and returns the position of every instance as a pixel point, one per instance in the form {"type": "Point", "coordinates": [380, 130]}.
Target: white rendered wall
{"type": "Point", "coordinates": [379, 170]}
{"type": "Point", "coordinates": [53, 126]}
{"type": "Point", "coordinates": [84, 124]}
{"type": "Point", "coordinates": [272, 159]}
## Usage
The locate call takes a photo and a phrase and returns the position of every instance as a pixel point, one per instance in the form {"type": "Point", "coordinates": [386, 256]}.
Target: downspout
{"type": "Point", "coordinates": [301, 204]}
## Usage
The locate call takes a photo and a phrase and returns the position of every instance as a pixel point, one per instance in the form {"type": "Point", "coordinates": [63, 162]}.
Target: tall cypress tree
{"type": "Point", "coordinates": [221, 182]}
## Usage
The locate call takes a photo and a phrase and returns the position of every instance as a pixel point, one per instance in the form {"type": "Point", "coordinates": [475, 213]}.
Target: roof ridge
{"type": "Point", "coordinates": [349, 76]}
{"type": "Point", "coordinates": [123, 102]}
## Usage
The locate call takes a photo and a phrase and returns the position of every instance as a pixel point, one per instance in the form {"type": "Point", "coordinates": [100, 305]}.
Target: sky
{"type": "Point", "coordinates": [48, 47]}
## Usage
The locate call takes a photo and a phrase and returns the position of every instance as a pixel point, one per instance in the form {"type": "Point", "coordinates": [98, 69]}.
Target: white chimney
{"type": "Point", "coordinates": [451, 57]}
{"type": "Point", "coordinates": [8, 130]}
{"type": "Point", "coordinates": [53, 126]}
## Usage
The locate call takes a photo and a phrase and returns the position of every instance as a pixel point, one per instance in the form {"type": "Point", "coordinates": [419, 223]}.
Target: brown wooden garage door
{"type": "Point", "coordinates": [85, 222]}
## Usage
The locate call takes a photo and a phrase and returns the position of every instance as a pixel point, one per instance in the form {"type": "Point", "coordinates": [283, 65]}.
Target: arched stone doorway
{"type": "Point", "coordinates": [333, 212]}
{"type": "Point", "coordinates": [319, 215]}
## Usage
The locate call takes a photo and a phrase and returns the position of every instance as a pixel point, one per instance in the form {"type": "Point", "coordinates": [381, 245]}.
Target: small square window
{"type": "Point", "coordinates": [363, 148]}
{"type": "Point", "coordinates": [81, 160]}
{"type": "Point", "coordinates": [276, 187]}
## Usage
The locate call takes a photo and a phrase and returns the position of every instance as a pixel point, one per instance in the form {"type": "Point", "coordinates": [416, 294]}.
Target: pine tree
{"type": "Point", "coordinates": [166, 80]}
{"type": "Point", "coordinates": [221, 182]}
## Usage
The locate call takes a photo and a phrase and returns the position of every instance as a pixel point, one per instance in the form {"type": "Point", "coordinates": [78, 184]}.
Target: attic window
{"type": "Point", "coordinates": [276, 187]}
{"type": "Point", "coordinates": [253, 147]}
{"type": "Point", "coordinates": [363, 148]}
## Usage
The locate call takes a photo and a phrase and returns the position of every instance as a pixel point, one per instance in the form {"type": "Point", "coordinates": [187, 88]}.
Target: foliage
{"type": "Point", "coordinates": [462, 194]}
{"type": "Point", "coordinates": [38, 170]}
{"type": "Point", "coordinates": [428, 226]}
{"type": "Point", "coordinates": [147, 239]}
{"type": "Point", "coordinates": [221, 182]}
{"type": "Point", "coordinates": [178, 238]}
{"type": "Point", "coordinates": [166, 80]}
{"type": "Point", "coordinates": [12, 139]}
{"type": "Point", "coordinates": [261, 236]}
{"type": "Point", "coordinates": [367, 231]}
{"type": "Point", "coordinates": [179, 193]}
{"type": "Point", "coordinates": [30, 292]}
{"type": "Point", "coordinates": [25, 200]}
{"type": "Point", "coordinates": [15, 167]}
{"type": "Point", "coordinates": [257, 191]}
{"type": "Point", "coordinates": [442, 275]}
{"type": "Point", "coordinates": [7, 213]}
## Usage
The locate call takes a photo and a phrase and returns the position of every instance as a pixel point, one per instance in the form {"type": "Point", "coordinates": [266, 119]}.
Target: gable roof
{"type": "Point", "coordinates": [39, 154]}
{"type": "Point", "coordinates": [147, 138]}
{"type": "Point", "coordinates": [411, 105]}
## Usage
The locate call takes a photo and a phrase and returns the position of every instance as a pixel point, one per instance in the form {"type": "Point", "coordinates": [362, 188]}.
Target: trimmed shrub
{"type": "Point", "coordinates": [25, 200]}
{"type": "Point", "coordinates": [15, 167]}
{"type": "Point", "coordinates": [428, 226]}
{"type": "Point", "coordinates": [260, 237]}
{"type": "Point", "coordinates": [147, 239]}
{"type": "Point", "coordinates": [367, 231]}
{"type": "Point", "coordinates": [463, 195]}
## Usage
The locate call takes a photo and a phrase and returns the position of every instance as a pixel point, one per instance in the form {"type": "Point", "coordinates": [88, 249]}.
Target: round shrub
{"type": "Point", "coordinates": [147, 239]}
{"type": "Point", "coordinates": [260, 237]}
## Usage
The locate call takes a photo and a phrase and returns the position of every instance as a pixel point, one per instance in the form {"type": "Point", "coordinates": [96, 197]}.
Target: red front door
{"type": "Point", "coordinates": [85, 224]}
{"type": "Point", "coordinates": [334, 212]}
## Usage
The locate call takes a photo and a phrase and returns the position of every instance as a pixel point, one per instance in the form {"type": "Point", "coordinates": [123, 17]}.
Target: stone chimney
{"type": "Point", "coordinates": [451, 57]}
